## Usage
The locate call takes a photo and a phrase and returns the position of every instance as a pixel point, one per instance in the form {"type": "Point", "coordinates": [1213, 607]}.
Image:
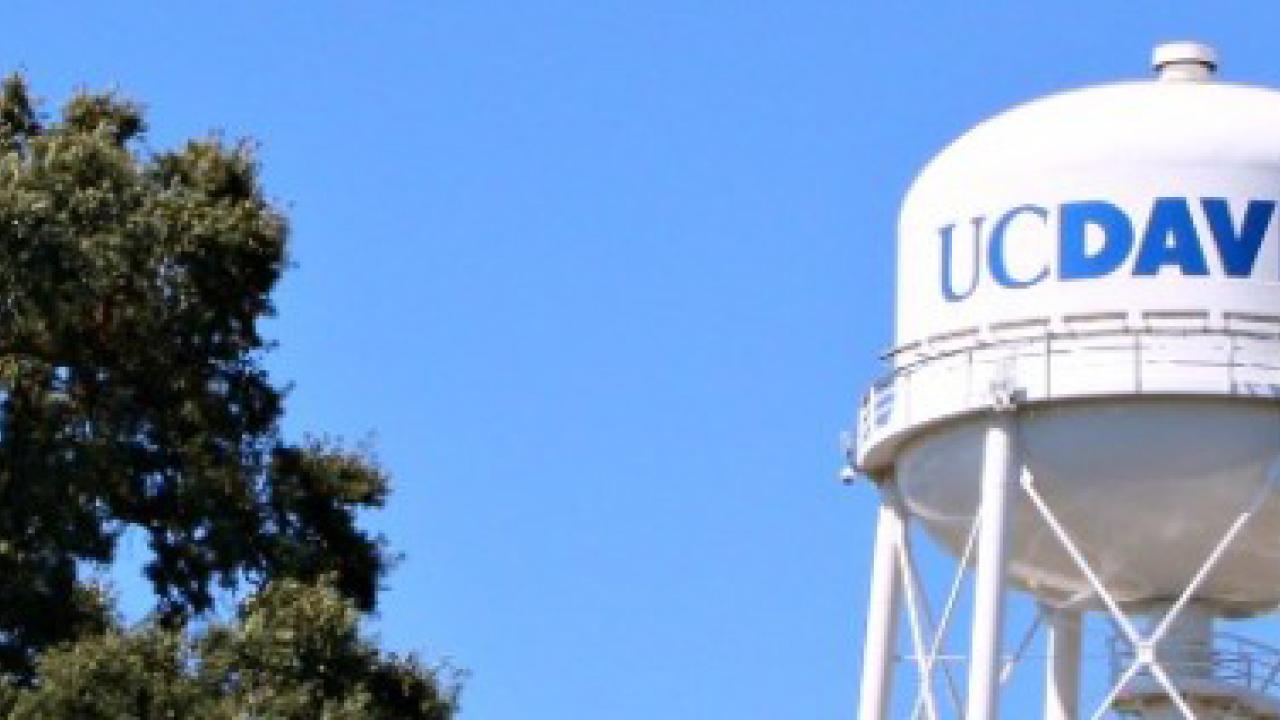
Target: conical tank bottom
{"type": "Point", "coordinates": [1145, 487]}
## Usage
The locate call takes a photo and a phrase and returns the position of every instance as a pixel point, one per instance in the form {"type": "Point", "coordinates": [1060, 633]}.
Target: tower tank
{"type": "Point", "coordinates": [1088, 287]}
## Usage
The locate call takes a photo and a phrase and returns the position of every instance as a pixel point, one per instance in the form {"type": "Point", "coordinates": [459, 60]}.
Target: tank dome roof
{"type": "Point", "coordinates": [1002, 223]}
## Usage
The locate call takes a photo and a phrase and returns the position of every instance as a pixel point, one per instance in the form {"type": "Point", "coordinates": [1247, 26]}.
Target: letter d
{"type": "Point", "coordinates": [1074, 260]}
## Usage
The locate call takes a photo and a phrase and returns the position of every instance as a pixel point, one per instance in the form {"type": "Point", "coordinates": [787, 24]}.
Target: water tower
{"type": "Point", "coordinates": [1083, 399]}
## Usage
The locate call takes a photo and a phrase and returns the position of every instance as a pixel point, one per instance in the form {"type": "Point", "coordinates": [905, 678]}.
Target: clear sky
{"type": "Point", "coordinates": [605, 279]}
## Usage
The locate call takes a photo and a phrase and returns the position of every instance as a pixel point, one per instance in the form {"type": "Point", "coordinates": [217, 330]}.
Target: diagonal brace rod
{"type": "Point", "coordinates": [1145, 655]}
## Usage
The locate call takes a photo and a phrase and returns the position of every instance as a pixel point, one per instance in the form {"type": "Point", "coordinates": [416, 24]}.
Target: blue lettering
{"type": "Point", "coordinates": [995, 251]}
{"type": "Point", "coordinates": [1170, 239]}
{"type": "Point", "coordinates": [1074, 261]}
{"type": "Point", "coordinates": [1238, 250]}
{"type": "Point", "coordinates": [948, 290]}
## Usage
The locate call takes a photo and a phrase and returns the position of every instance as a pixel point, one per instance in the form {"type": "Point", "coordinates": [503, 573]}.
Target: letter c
{"type": "Point", "coordinates": [995, 251]}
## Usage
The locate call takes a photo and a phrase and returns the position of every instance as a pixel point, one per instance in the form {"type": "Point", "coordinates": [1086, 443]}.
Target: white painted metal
{"type": "Point", "coordinates": [1125, 143]}
{"type": "Point", "coordinates": [1145, 657]}
{"type": "Point", "coordinates": [1012, 660]}
{"type": "Point", "coordinates": [1147, 487]}
{"type": "Point", "coordinates": [1184, 689]}
{"type": "Point", "coordinates": [1185, 651]}
{"type": "Point", "coordinates": [918, 624]}
{"type": "Point", "coordinates": [1186, 647]}
{"type": "Point", "coordinates": [1244, 676]}
{"type": "Point", "coordinates": [1146, 360]}
{"type": "Point", "coordinates": [999, 469]}
{"type": "Point", "coordinates": [1062, 676]}
{"type": "Point", "coordinates": [1140, 408]}
{"type": "Point", "coordinates": [879, 653]}
{"type": "Point", "coordinates": [925, 666]}
{"type": "Point", "coordinates": [1184, 61]}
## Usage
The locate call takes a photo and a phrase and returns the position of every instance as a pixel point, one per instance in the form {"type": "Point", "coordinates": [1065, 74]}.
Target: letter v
{"type": "Point", "coordinates": [1238, 251]}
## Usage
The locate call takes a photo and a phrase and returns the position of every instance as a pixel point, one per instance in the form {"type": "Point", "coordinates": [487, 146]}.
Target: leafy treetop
{"type": "Point", "coordinates": [132, 387]}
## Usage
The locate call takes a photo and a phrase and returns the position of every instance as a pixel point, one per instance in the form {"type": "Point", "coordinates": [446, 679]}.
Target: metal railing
{"type": "Point", "coordinates": [1231, 660]}
{"type": "Point", "coordinates": [932, 386]}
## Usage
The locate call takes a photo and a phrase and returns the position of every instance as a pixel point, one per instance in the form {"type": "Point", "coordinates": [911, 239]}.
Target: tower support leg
{"type": "Point", "coordinates": [883, 611]}
{"type": "Point", "coordinates": [1062, 676]}
{"type": "Point", "coordinates": [999, 471]}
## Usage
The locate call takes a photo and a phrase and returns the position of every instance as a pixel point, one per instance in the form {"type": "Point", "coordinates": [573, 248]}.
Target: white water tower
{"type": "Point", "coordinates": [1083, 401]}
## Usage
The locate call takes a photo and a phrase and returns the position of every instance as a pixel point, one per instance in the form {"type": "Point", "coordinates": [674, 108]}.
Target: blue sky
{"type": "Point", "coordinates": [605, 279]}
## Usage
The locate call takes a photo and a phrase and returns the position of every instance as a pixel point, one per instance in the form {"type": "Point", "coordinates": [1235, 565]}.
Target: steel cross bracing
{"type": "Point", "coordinates": [920, 617]}
{"type": "Point", "coordinates": [927, 651]}
{"type": "Point", "coordinates": [928, 639]}
{"type": "Point", "coordinates": [1145, 655]}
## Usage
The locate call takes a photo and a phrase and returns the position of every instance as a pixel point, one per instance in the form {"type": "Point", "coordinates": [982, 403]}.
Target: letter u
{"type": "Point", "coordinates": [948, 254]}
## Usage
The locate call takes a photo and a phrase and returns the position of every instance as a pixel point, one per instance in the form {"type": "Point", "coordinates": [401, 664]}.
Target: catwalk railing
{"type": "Point", "coordinates": [1231, 660]}
{"type": "Point", "coordinates": [930, 387]}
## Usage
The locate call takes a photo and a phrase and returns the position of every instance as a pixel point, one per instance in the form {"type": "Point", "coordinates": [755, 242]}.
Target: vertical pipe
{"type": "Point", "coordinates": [998, 474]}
{"type": "Point", "coordinates": [1186, 650]}
{"type": "Point", "coordinates": [1062, 677]}
{"type": "Point", "coordinates": [1186, 654]}
{"type": "Point", "coordinates": [883, 610]}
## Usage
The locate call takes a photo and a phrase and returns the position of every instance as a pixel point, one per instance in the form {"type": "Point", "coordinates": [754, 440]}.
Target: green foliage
{"type": "Point", "coordinates": [133, 397]}
{"type": "Point", "coordinates": [295, 654]}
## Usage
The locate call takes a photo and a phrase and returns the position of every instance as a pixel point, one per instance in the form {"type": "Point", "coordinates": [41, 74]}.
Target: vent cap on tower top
{"type": "Point", "coordinates": [1185, 60]}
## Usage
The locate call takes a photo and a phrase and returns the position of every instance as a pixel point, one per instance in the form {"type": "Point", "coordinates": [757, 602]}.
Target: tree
{"type": "Point", "coordinates": [133, 396]}
{"type": "Point", "coordinates": [295, 654]}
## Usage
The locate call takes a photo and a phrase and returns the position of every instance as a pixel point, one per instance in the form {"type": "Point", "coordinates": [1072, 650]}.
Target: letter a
{"type": "Point", "coordinates": [1170, 239]}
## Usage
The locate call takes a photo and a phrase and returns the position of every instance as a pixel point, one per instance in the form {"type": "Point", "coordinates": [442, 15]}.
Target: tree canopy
{"type": "Point", "coordinates": [294, 654]}
{"type": "Point", "coordinates": [133, 398]}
